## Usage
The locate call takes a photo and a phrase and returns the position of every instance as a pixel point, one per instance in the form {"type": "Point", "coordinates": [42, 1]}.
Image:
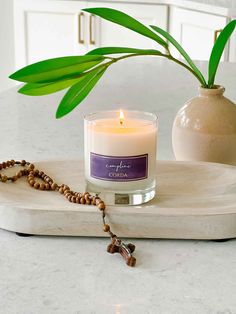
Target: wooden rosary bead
{"type": "Point", "coordinates": [4, 178]}
{"type": "Point", "coordinates": [101, 206]}
{"type": "Point", "coordinates": [98, 200]}
{"type": "Point", "coordinates": [23, 162]}
{"type": "Point", "coordinates": [31, 182]}
{"type": "Point", "coordinates": [42, 186]}
{"type": "Point", "coordinates": [8, 163]}
{"type": "Point", "coordinates": [106, 228]}
{"type": "Point", "coordinates": [88, 202]}
{"type": "Point", "coordinates": [77, 199]}
{"type": "Point", "coordinates": [87, 197]}
{"type": "Point", "coordinates": [14, 178]}
{"type": "Point", "coordinates": [13, 162]}
{"type": "Point", "coordinates": [40, 174]}
{"type": "Point", "coordinates": [36, 172]}
{"type": "Point", "coordinates": [65, 188]}
{"type": "Point", "coordinates": [48, 179]}
{"type": "Point", "coordinates": [1, 167]}
{"type": "Point", "coordinates": [47, 186]}
{"type": "Point", "coordinates": [31, 166]}
{"type": "Point", "coordinates": [36, 185]}
{"type": "Point", "coordinates": [82, 200]}
{"type": "Point", "coordinates": [66, 191]}
{"type": "Point", "coordinates": [93, 201]}
{"type": "Point", "coordinates": [4, 165]}
{"type": "Point", "coordinates": [61, 190]}
{"type": "Point", "coordinates": [54, 186]}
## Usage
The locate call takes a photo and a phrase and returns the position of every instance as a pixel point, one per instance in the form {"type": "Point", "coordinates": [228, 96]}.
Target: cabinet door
{"type": "Point", "coordinates": [104, 33]}
{"type": "Point", "coordinates": [195, 31]}
{"type": "Point", "coordinates": [48, 29]}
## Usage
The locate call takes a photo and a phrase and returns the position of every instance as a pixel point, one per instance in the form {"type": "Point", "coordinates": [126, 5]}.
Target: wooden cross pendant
{"type": "Point", "coordinates": [125, 250]}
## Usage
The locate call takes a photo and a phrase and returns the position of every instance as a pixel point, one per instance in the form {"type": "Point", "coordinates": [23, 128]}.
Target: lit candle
{"type": "Point", "coordinates": [120, 156]}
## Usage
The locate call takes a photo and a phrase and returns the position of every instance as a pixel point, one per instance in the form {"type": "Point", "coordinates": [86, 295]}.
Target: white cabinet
{"type": "Point", "coordinates": [48, 29]}
{"type": "Point", "coordinates": [52, 28]}
{"type": "Point", "coordinates": [105, 33]}
{"type": "Point", "coordinates": [195, 31]}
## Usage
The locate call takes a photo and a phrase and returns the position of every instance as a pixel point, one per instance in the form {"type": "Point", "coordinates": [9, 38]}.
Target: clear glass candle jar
{"type": "Point", "coordinates": [120, 156]}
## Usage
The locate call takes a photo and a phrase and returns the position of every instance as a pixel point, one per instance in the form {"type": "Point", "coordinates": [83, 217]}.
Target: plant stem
{"type": "Point", "coordinates": [168, 56]}
{"type": "Point", "coordinates": [139, 54]}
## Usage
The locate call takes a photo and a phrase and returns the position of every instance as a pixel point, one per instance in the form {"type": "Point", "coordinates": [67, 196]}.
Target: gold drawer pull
{"type": "Point", "coordinates": [80, 39]}
{"type": "Point", "coordinates": [91, 37]}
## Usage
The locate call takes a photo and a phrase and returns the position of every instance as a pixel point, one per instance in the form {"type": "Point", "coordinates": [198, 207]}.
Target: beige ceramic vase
{"type": "Point", "coordinates": [205, 128]}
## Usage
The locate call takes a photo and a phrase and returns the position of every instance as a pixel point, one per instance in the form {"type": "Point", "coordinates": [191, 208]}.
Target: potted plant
{"type": "Point", "coordinates": [204, 128]}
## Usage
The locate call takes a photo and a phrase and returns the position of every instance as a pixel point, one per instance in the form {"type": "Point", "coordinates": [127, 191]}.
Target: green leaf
{"type": "Point", "coordinates": [181, 51]}
{"type": "Point", "coordinates": [33, 89]}
{"type": "Point", "coordinates": [79, 91]}
{"type": "Point", "coordinates": [115, 50]}
{"type": "Point", "coordinates": [127, 21]}
{"type": "Point", "coordinates": [217, 51]}
{"type": "Point", "coordinates": [56, 69]}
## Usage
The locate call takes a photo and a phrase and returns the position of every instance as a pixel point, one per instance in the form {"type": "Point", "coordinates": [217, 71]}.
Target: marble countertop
{"type": "Point", "coordinates": [45, 275]}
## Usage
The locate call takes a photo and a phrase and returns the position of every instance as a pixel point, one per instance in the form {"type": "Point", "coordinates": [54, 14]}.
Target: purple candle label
{"type": "Point", "coordinates": [120, 169]}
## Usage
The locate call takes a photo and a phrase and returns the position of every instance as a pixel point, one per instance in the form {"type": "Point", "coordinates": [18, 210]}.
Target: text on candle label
{"type": "Point", "coordinates": [121, 169]}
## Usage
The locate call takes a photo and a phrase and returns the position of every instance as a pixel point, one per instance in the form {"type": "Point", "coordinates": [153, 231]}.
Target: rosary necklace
{"type": "Point", "coordinates": [41, 181]}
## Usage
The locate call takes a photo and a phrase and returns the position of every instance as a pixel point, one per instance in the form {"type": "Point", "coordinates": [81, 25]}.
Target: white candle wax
{"type": "Point", "coordinates": [120, 153]}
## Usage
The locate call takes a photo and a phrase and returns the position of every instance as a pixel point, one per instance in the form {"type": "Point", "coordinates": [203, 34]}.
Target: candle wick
{"type": "Point", "coordinates": [121, 118]}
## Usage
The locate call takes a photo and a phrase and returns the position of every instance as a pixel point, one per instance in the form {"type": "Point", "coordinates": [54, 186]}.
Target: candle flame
{"type": "Point", "coordinates": [122, 117]}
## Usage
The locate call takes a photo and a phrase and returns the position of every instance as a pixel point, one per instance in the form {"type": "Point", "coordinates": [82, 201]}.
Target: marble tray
{"type": "Point", "coordinates": [195, 200]}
